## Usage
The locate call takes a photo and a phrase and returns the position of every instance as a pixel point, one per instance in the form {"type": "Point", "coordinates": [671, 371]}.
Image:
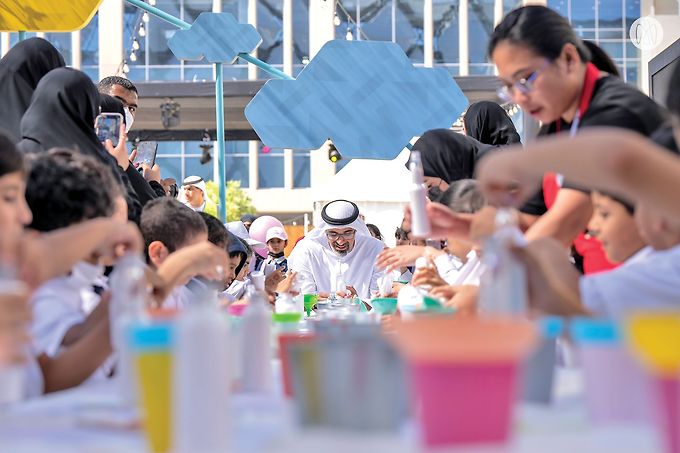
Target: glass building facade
{"type": "Point", "coordinates": [401, 21]}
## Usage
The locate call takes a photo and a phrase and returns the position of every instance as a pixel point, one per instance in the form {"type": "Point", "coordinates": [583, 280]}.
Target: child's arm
{"type": "Point", "coordinates": [609, 159]}
{"type": "Point", "coordinates": [205, 259]}
{"type": "Point", "coordinates": [77, 331]}
{"type": "Point", "coordinates": [76, 363]}
{"type": "Point", "coordinates": [552, 280]}
{"type": "Point", "coordinates": [45, 256]}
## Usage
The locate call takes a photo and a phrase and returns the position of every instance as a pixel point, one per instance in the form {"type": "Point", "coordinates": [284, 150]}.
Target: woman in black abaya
{"type": "Point", "coordinates": [488, 123]}
{"type": "Point", "coordinates": [20, 71]}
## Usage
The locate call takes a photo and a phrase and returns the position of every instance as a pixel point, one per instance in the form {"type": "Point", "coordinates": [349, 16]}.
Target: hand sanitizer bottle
{"type": "Point", "coordinates": [256, 343]}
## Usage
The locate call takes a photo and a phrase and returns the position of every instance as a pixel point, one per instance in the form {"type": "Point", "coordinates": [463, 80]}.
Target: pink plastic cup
{"type": "Point", "coordinates": [465, 402]}
{"type": "Point", "coordinates": [668, 411]}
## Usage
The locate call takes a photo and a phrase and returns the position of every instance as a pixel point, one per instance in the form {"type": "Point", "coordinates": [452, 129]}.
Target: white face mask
{"type": "Point", "coordinates": [129, 119]}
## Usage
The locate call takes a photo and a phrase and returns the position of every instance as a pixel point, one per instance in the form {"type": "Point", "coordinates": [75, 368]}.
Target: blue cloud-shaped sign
{"type": "Point", "coordinates": [366, 96]}
{"type": "Point", "coordinates": [217, 37]}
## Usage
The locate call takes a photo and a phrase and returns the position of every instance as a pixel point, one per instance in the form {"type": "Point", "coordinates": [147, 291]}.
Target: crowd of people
{"type": "Point", "coordinates": [594, 199]}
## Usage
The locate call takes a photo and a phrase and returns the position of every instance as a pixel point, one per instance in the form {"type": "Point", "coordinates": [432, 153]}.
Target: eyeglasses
{"type": "Point", "coordinates": [333, 236]}
{"type": "Point", "coordinates": [523, 85]}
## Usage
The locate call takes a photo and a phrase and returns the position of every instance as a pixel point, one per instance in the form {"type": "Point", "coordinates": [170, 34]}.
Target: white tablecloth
{"type": "Point", "coordinates": [88, 420]}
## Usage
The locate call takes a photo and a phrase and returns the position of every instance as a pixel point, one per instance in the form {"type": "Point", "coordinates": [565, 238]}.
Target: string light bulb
{"type": "Point", "coordinates": [152, 2]}
{"type": "Point", "coordinates": [133, 56]}
{"type": "Point", "coordinates": [349, 36]}
{"type": "Point", "coordinates": [126, 68]}
{"type": "Point", "coordinates": [336, 20]}
{"type": "Point", "coordinates": [135, 44]}
{"type": "Point", "coordinates": [145, 17]}
{"type": "Point", "coordinates": [142, 31]}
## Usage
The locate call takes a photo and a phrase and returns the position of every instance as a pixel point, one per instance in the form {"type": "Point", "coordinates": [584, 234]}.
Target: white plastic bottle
{"type": "Point", "coordinates": [420, 224]}
{"type": "Point", "coordinates": [256, 339]}
{"type": "Point", "coordinates": [201, 379]}
{"type": "Point", "coordinates": [503, 287]}
{"type": "Point", "coordinates": [128, 298]}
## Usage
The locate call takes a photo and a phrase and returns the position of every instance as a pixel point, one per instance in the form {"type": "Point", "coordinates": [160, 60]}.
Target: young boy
{"type": "Point", "coordinates": [649, 277]}
{"type": "Point", "coordinates": [177, 247]}
{"type": "Point", "coordinates": [65, 188]}
{"type": "Point", "coordinates": [277, 241]}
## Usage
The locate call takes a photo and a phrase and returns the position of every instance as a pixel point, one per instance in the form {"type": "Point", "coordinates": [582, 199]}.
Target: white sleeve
{"type": "Point", "coordinates": [52, 318]}
{"type": "Point", "coordinates": [653, 283]}
{"type": "Point", "coordinates": [299, 262]}
{"type": "Point", "coordinates": [448, 267]}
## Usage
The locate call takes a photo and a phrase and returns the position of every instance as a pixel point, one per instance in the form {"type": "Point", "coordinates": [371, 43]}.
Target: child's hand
{"type": "Point", "coordinates": [287, 284]}
{"type": "Point", "coordinates": [400, 256]}
{"type": "Point", "coordinates": [427, 276]}
{"type": "Point", "coordinates": [123, 238]}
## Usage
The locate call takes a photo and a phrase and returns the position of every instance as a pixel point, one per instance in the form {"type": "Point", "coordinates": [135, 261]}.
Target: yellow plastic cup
{"type": "Point", "coordinates": [151, 345]}
{"type": "Point", "coordinates": [655, 340]}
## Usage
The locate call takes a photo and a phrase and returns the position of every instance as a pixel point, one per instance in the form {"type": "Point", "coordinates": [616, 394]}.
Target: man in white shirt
{"type": "Point", "coordinates": [339, 252]}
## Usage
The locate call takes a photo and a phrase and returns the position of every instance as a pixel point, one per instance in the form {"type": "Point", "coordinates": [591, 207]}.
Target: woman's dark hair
{"type": "Point", "coordinates": [464, 196]}
{"type": "Point", "coordinates": [375, 231]}
{"type": "Point", "coordinates": [11, 160]}
{"type": "Point", "coordinates": [673, 99]}
{"type": "Point", "coordinates": [401, 234]}
{"type": "Point", "coordinates": [601, 60]}
{"type": "Point", "coordinates": [539, 28]}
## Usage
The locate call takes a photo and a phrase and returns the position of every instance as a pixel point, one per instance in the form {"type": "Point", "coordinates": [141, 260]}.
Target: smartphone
{"type": "Point", "coordinates": [107, 126]}
{"type": "Point", "coordinates": [146, 154]}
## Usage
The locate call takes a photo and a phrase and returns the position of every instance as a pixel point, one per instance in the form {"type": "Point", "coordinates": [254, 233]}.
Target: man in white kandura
{"type": "Point", "coordinates": [338, 255]}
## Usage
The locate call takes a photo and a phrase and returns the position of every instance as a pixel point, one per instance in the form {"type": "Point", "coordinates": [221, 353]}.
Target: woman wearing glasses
{"type": "Point", "coordinates": [546, 69]}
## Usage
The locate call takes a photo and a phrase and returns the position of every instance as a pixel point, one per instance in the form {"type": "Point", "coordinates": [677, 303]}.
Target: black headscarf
{"type": "Point", "coordinates": [62, 113]}
{"type": "Point", "coordinates": [489, 123]}
{"type": "Point", "coordinates": [20, 71]}
{"type": "Point", "coordinates": [449, 155]}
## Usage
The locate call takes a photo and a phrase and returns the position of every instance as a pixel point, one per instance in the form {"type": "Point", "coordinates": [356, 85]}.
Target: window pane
{"type": "Point", "coordinates": [445, 44]}
{"type": "Point", "coordinates": [202, 74]}
{"type": "Point", "coordinates": [300, 30]}
{"type": "Point", "coordinates": [610, 12]}
{"type": "Point", "coordinates": [301, 170]}
{"type": "Point", "coordinates": [194, 167]}
{"type": "Point", "coordinates": [62, 42]}
{"type": "Point", "coordinates": [236, 169]}
{"type": "Point", "coordinates": [238, 8]}
{"type": "Point", "coordinates": [269, 18]}
{"type": "Point", "coordinates": [558, 5]}
{"type": "Point", "coordinates": [583, 13]}
{"type": "Point", "coordinates": [409, 18]}
{"type": "Point", "coordinates": [171, 167]}
{"type": "Point", "coordinates": [613, 49]}
{"type": "Point", "coordinates": [270, 171]}
{"type": "Point", "coordinates": [158, 32]}
{"type": "Point", "coordinates": [169, 148]}
{"type": "Point", "coordinates": [480, 20]}
{"type": "Point", "coordinates": [376, 19]}
{"type": "Point", "coordinates": [168, 73]}
{"type": "Point", "coordinates": [89, 42]}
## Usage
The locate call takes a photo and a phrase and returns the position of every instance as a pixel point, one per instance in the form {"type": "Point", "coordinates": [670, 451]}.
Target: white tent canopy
{"type": "Point", "coordinates": [379, 187]}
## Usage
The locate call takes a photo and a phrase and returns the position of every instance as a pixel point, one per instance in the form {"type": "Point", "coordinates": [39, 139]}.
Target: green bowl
{"type": "Point", "coordinates": [286, 317]}
{"type": "Point", "coordinates": [385, 306]}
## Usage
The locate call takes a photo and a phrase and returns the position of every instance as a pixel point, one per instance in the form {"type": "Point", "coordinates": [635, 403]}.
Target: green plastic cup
{"type": "Point", "coordinates": [309, 301]}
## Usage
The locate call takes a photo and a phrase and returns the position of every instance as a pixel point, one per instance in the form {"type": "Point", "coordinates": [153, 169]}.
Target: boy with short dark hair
{"type": "Point", "coordinates": [65, 188]}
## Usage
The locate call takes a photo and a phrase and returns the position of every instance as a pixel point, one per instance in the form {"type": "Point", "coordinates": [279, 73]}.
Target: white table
{"type": "Point", "coordinates": [68, 422]}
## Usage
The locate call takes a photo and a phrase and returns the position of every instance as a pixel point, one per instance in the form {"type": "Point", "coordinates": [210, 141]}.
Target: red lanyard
{"type": "Point", "coordinates": [552, 181]}
{"type": "Point", "coordinates": [592, 75]}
